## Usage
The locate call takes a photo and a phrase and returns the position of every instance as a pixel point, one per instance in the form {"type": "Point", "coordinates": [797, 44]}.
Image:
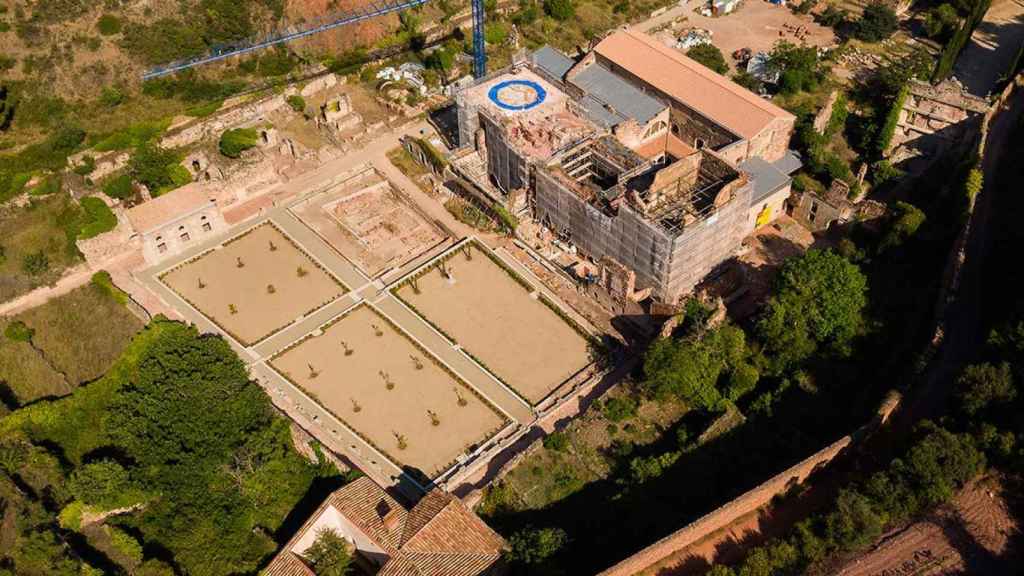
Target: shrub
{"type": "Point", "coordinates": [904, 220]}
{"type": "Point", "coordinates": [36, 263]}
{"type": "Point", "coordinates": [119, 187]}
{"type": "Point", "coordinates": [559, 9]}
{"type": "Point", "coordinates": [18, 331]}
{"type": "Point", "coordinates": [150, 165]}
{"type": "Point", "coordinates": [742, 381]}
{"type": "Point", "coordinates": [710, 56]}
{"type": "Point", "coordinates": [125, 544]}
{"type": "Point", "coordinates": [833, 17]}
{"type": "Point", "coordinates": [618, 409]}
{"type": "Point", "coordinates": [97, 218]}
{"type": "Point", "coordinates": [296, 102]}
{"type": "Point", "coordinates": [86, 167]}
{"type": "Point", "coordinates": [557, 441]}
{"type": "Point", "coordinates": [329, 555]}
{"type": "Point", "coordinates": [109, 25]}
{"type": "Point", "coordinates": [877, 23]}
{"type": "Point", "coordinates": [973, 184]}
{"type": "Point", "coordinates": [111, 97]}
{"type": "Point", "coordinates": [234, 142]}
{"type": "Point", "coordinates": [984, 384]}
{"type": "Point", "coordinates": [50, 185]}
{"type": "Point", "coordinates": [533, 546]}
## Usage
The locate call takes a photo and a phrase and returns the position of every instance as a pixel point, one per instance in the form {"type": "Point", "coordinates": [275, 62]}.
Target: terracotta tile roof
{"type": "Point", "coordinates": [166, 208]}
{"type": "Point", "coordinates": [439, 536]}
{"type": "Point", "coordinates": [683, 79]}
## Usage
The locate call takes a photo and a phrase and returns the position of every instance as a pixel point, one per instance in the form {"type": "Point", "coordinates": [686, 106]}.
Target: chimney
{"type": "Point", "coordinates": [389, 517]}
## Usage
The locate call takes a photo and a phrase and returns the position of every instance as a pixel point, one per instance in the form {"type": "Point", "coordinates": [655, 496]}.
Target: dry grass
{"type": "Point", "coordinates": [79, 334]}
{"type": "Point", "coordinates": [498, 321]}
{"type": "Point", "coordinates": [422, 406]}
{"type": "Point", "coordinates": [24, 231]}
{"type": "Point", "coordinates": [266, 293]}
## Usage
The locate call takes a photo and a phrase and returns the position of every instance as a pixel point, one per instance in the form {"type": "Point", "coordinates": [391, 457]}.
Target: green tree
{"type": "Point", "coordinates": [532, 546]}
{"type": "Point", "coordinates": [149, 165]}
{"type": "Point", "coordinates": [854, 522]}
{"type": "Point", "coordinates": [877, 23]}
{"type": "Point", "coordinates": [297, 103]}
{"type": "Point", "coordinates": [941, 22]}
{"type": "Point", "coordinates": [710, 56]}
{"type": "Point", "coordinates": [234, 142]}
{"type": "Point", "coordinates": [819, 299]}
{"type": "Point", "coordinates": [329, 555]}
{"type": "Point", "coordinates": [561, 10]}
{"type": "Point", "coordinates": [940, 463]}
{"type": "Point", "coordinates": [36, 263]}
{"type": "Point", "coordinates": [104, 483]}
{"type": "Point", "coordinates": [981, 385]}
{"type": "Point", "coordinates": [155, 419]}
{"type": "Point", "coordinates": [798, 67]}
{"type": "Point", "coordinates": [904, 221]}
{"type": "Point", "coordinates": [689, 368]}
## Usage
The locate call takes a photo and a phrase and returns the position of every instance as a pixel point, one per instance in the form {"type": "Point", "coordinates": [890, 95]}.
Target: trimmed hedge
{"type": "Point", "coordinates": [888, 130]}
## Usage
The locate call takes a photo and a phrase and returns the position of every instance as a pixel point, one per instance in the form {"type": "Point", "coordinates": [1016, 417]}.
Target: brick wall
{"type": "Point", "coordinates": [751, 500]}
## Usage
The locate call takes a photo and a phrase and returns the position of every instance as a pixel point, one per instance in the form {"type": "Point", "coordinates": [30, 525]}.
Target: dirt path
{"type": "Point", "coordinates": [993, 46]}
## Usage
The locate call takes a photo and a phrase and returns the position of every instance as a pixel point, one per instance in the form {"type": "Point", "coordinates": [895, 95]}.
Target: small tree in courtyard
{"type": "Point", "coordinates": [461, 400]}
{"type": "Point", "coordinates": [330, 554]}
{"type": "Point", "coordinates": [301, 272]}
{"type": "Point", "coordinates": [434, 420]}
{"type": "Point", "coordinates": [401, 441]}
{"type": "Point", "coordinates": [345, 347]}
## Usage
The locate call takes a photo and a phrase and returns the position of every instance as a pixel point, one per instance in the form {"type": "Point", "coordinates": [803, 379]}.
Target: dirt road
{"type": "Point", "coordinates": [992, 48]}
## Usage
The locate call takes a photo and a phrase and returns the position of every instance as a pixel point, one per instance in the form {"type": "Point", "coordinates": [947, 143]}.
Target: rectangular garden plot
{"type": "Point", "coordinates": [390, 391]}
{"type": "Point", "coordinates": [254, 284]}
{"type": "Point", "coordinates": [499, 319]}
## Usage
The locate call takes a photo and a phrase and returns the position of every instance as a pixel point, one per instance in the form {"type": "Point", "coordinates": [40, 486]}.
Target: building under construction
{"type": "Point", "coordinates": [618, 160]}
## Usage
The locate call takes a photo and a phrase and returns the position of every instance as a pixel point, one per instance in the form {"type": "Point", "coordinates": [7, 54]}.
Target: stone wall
{"type": "Point", "coordinates": [226, 119]}
{"type": "Point", "coordinates": [752, 500]}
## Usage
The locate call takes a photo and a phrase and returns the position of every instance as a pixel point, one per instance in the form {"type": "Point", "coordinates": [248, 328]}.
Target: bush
{"type": "Point", "coordinates": [234, 142]}
{"type": "Point", "coordinates": [981, 385]}
{"type": "Point", "coordinates": [35, 264]}
{"type": "Point", "coordinates": [18, 331]}
{"type": "Point", "coordinates": [904, 221]}
{"type": "Point", "coordinates": [618, 409]}
{"type": "Point", "coordinates": [557, 441]}
{"type": "Point", "coordinates": [533, 546]}
{"type": "Point", "coordinates": [742, 381]}
{"type": "Point", "coordinates": [109, 25]}
{"type": "Point", "coordinates": [877, 23]}
{"type": "Point", "coordinates": [150, 166]}
{"type": "Point", "coordinates": [559, 9]}
{"type": "Point", "coordinates": [86, 167]}
{"type": "Point", "coordinates": [297, 103]}
{"type": "Point", "coordinates": [97, 218]}
{"type": "Point", "coordinates": [119, 187]}
{"type": "Point", "coordinates": [710, 56]}
{"type": "Point", "coordinates": [833, 17]}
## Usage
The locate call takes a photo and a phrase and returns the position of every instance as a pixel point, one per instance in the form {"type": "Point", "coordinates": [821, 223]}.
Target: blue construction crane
{"type": "Point", "coordinates": [324, 23]}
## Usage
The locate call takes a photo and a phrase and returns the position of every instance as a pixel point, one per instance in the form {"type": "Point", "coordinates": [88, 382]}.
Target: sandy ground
{"type": "Point", "coordinates": [993, 46]}
{"type": "Point", "coordinates": [964, 538]}
{"type": "Point", "coordinates": [345, 382]}
{"type": "Point", "coordinates": [259, 312]}
{"type": "Point", "coordinates": [370, 224]}
{"type": "Point", "coordinates": [496, 320]}
{"type": "Point", "coordinates": [756, 24]}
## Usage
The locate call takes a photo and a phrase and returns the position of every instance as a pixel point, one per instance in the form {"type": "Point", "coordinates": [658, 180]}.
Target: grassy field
{"type": "Point", "coordinates": [40, 228]}
{"type": "Point", "coordinates": [76, 339]}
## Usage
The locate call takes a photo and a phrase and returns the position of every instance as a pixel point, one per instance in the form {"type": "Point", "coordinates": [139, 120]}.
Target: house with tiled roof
{"type": "Point", "coordinates": [438, 536]}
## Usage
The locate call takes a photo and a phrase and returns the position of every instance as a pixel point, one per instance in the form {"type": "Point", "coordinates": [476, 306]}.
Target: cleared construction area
{"type": "Point", "coordinates": [370, 222]}
{"type": "Point", "coordinates": [254, 284]}
{"type": "Point", "coordinates": [499, 319]}
{"type": "Point", "coordinates": [390, 391]}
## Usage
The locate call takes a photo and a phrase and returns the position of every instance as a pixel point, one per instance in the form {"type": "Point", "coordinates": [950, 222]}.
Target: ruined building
{"type": "Point", "coordinates": [637, 156]}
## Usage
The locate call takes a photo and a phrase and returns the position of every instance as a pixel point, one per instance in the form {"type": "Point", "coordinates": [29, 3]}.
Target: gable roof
{"type": "Point", "coordinates": [690, 83]}
{"type": "Point", "coordinates": [439, 536]}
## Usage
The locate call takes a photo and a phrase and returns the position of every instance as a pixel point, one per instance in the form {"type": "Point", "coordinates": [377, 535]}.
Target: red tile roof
{"type": "Point", "coordinates": [690, 83]}
{"type": "Point", "coordinates": [439, 536]}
